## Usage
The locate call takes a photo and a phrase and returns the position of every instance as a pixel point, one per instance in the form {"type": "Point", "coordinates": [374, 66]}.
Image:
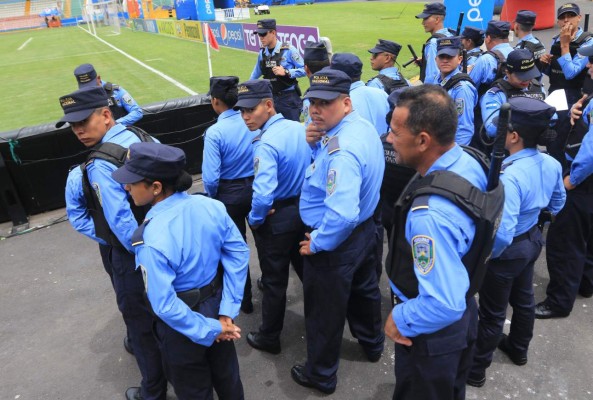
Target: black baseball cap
{"type": "Point", "coordinates": [251, 92]}
{"type": "Point", "coordinates": [220, 85]}
{"type": "Point", "coordinates": [568, 7]}
{"type": "Point", "coordinates": [79, 105]}
{"type": "Point", "coordinates": [328, 84]}
{"type": "Point", "coordinates": [150, 160]}
{"type": "Point", "coordinates": [449, 46]}
{"type": "Point", "coordinates": [432, 9]}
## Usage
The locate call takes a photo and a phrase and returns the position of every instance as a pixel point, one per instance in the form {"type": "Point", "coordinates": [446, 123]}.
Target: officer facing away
{"type": "Point", "coordinates": [338, 203]}
{"type": "Point", "coordinates": [523, 27]}
{"type": "Point", "coordinates": [123, 107]}
{"type": "Point", "coordinates": [433, 18]}
{"type": "Point", "coordinates": [281, 64]}
{"type": "Point", "coordinates": [115, 220]}
{"type": "Point", "coordinates": [194, 263]}
{"type": "Point", "coordinates": [227, 166]}
{"type": "Point", "coordinates": [472, 39]}
{"type": "Point", "coordinates": [383, 57]}
{"type": "Point", "coordinates": [281, 156]}
{"type": "Point", "coordinates": [434, 331]}
{"type": "Point", "coordinates": [532, 182]}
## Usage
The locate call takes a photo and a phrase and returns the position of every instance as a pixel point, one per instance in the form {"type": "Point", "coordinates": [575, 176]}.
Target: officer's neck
{"type": "Point", "coordinates": [272, 44]}
{"type": "Point", "coordinates": [431, 156]}
{"type": "Point", "coordinates": [437, 28]}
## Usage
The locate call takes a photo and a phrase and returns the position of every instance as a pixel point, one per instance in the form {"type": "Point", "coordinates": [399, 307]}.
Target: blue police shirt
{"type": "Point", "coordinates": [281, 155]}
{"type": "Point", "coordinates": [465, 97]}
{"type": "Point", "coordinates": [184, 241]}
{"type": "Point", "coordinates": [76, 208]}
{"type": "Point", "coordinates": [341, 187]}
{"type": "Point", "coordinates": [371, 103]}
{"type": "Point", "coordinates": [114, 197]}
{"type": "Point", "coordinates": [532, 182]}
{"type": "Point", "coordinates": [124, 100]}
{"type": "Point", "coordinates": [430, 53]}
{"type": "Point", "coordinates": [292, 61]}
{"type": "Point", "coordinates": [390, 72]}
{"type": "Point", "coordinates": [473, 55]}
{"type": "Point", "coordinates": [446, 233]}
{"type": "Point", "coordinates": [572, 66]}
{"type": "Point", "coordinates": [490, 105]}
{"type": "Point", "coordinates": [582, 165]}
{"type": "Point", "coordinates": [228, 153]}
{"type": "Point", "coordinates": [484, 70]}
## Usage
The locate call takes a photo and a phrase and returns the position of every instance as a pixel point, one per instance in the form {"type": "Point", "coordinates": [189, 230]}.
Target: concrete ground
{"type": "Point", "coordinates": [61, 333]}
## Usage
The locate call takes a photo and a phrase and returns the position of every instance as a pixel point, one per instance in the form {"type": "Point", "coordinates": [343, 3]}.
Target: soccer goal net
{"type": "Point", "coordinates": [103, 18]}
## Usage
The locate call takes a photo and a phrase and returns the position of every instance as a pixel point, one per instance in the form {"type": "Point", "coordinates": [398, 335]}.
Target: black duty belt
{"type": "Point", "coordinates": [526, 235]}
{"type": "Point", "coordinates": [193, 297]}
{"type": "Point", "coordinates": [291, 201]}
{"type": "Point", "coordinates": [247, 179]}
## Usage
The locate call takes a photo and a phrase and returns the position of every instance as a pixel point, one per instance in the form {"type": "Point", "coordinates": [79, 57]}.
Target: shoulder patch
{"type": "Point", "coordinates": [423, 253]}
{"type": "Point", "coordinates": [98, 192]}
{"type": "Point", "coordinates": [128, 99]}
{"type": "Point", "coordinates": [331, 181]}
{"type": "Point", "coordinates": [255, 165]}
{"type": "Point", "coordinates": [296, 57]}
{"type": "Point", "coordinates": [459, 106]}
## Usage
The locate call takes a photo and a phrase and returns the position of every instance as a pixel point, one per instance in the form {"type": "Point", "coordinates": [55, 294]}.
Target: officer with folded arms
{"type": "Point", "coordinates": [338, 204]}
{"type": "Point", "coordinates": [194, 264]}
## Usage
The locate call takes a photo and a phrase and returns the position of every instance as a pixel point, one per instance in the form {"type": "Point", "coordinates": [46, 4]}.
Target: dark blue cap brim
{"type": "Point", "coordinates": [261, 31]}
{"type": "Point", "coordinates": [448, 51]}
{"type": "Point", "coordinates": [423, 15]}
{"type": "Point", "coordinates": [247, 103]}
{"type": "Point", "coordinates": [322, 94]}
{"type": "Point", "coordinates": [75, 116]}
{"type": "Point", "coordinates": [124, 176]}
{"type": "Point", "coordinates": [376, 50]}
{"type": "Point", "coordinates": [528, 75]}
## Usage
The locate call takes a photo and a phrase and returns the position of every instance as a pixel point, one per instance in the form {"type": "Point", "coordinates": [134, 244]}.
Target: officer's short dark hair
{"type": "Point", "coordinates": [478, 42]}
{"type": "Point", "coordinates": [229, 98]}
{"type": "Point", "coordinates": [524, 27]}
{"type": "Point", "coordinates": [316, 66]}
{"type": "Point", "coordinates": [430, 109]}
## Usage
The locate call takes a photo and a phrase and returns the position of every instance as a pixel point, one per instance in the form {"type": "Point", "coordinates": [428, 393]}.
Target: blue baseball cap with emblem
{"type": "Point", "coordinates": [348, 63]}
{"type": "Point", "coordinates": [86, 76]}
{"type": "Point", "coordinates": [264, 26]}
{"type": "Point", "coordinates": [146, 160]}
{"type": "Point", "coordinates": [80, 104]}
{"type": "Point", "coordinates": [520, 62]}
{"type": "Point", "coordinates": [527, 111]}
{"type": "Point", "coordinates": [328, 84]}
{"type": "Point", "coordinates": [432, 9]}
{"type": "Point", "coordinates": [252, 92]}
{"type": "Point", "coordinates": [498, 29]}
{"type": "Point", "coordinates": [315, 51]}
{"type": "Point", "coordinates": [475, 34]}
{"type": "Point", "coordinates": [220, 85]}
{"type": "Point", "coordinates": [568, 7]}
{"type": "Point", "coordinates": [525, 17]}
{"type": "Point", "coordinates": [450, 46]}
{"type": "Point", "coordinates": [386, 46]}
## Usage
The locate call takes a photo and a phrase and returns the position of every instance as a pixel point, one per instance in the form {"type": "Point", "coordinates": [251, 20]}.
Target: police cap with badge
{"type": "Point", "coordinates": [315, 52]}
{"type": "Point", "coordinates": [151, 161]}
{"type": "Point", "coordinates": [80, 104]}
{"type": "Point", "coordinates": [386, 46]}
{"type": "Point", "coordinates": [526, 111]}
{"type": "Point", "coordinates": [264, 26]}
{"type": "Point", "coordinates": [252, 92]}
{"type": "Point", "coordinates": [328, 84]}
{"type": "Point", "coordinates": [221, 85]}
{"type": "Point", "coordinates": [525, 17]}
{"type": "Point", "coordinates": [450, 46]}
{"type": "Point", "coordinates": [86, 76]}
{"type": "Point", "coordinates": [348, 63]}
{"type": "Point", "coordinates": [520, 62]}
{"type": "Point", "coordinates": [499, 29]}
{"type": "Point", "coordinates": [568, 8]}
{"type": "Point", "coordinates": [432, 9]}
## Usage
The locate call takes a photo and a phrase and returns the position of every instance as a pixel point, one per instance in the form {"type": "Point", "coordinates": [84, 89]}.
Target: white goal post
{"type": "Point", "coordinates": [104, 18]}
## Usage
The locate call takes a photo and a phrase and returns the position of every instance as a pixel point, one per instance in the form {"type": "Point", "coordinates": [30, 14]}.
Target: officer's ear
{"type": "Point", "coordinates": [424, 141]}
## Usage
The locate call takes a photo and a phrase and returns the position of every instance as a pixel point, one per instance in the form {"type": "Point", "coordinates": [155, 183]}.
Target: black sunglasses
{"type": "Point", "coordinates": [262, 34]}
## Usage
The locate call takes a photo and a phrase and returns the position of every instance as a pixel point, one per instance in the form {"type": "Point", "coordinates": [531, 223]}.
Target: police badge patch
{"type": "Point", "coordinates": [423, 253]}
{"type": "Point", "coordinates": [255, 165]}
{"type": "Point", "coordinates": [459, 106]}
{"type": "Point", "coordinates": [128, 99]}
{"type": "Point", "coordinates": [144, 277]}
{"type": "Point", "coordinates": [331, 181]}
{"type": "Point", "coordinates": [97, 192]}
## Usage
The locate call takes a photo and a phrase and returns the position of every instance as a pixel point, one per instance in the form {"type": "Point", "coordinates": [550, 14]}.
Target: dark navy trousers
{"type": "Point", "coordinates": [508, 280]}
{"type": "Point", "coordinates": [129, 291]}
{"type": "Point", "coordinates": [436, 366]}
{"type": "Point", "coordinates": [194, 370]}
{"type": "Point", "coordinates": [569, 249]}
{"type": "Point", "coordinates": [289, 104]}
{"type": "Point", "coordinates": [341, 285]}
{"type": "Point", "coordinates": [277, 242]}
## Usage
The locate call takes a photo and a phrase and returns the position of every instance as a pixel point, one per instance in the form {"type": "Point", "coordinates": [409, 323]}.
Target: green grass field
{"type": "Point", "coordinates": [34, 77]}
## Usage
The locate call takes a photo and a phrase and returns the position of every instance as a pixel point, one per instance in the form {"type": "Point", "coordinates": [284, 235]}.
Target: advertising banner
{"type": "Point", "coordinates": [295, 35]}
{"type": "Point", "coordinates": [191, 30]}
{"type": "Point", "coordinates": [477, 13]}
{"type": "Point", "coordinates": [229, 35]}
{"type": "Point", "coordinates": [205, 9]}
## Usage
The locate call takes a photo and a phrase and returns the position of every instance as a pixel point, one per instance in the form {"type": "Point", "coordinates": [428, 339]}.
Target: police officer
{"type": "Point", "coordinates": [383, 57]}
{"type": "Point", "coordinates": [521, 80]}
{"type": "Point", "coordinates": [459, 86]}
{"type": "Point", "coordinates": [339, 198]}
{"type": "Point", "coordinates": [282, 64]}
{"type": "Point", "coordinates": [281, 156]}
{"type": "Point", "coordinates": [566, 69]}
{"type": "Point", "coordinates": [434, 331]}
{"type": "Point", "coordinates": [433, 18]}
{"type": "Point", "coordinates": [523, 27]}
{"type": "Point", "coordinates": [124, 108]}
{"type": "Point", "coordinates": [316, 58]}
{"type": "Point", "coordinates": [569, 244]}
{"type": "Point", "coordinates": [532, 182]}
{"type": "Point", "coordinates": [227, 166]}
{"type": "Point", "coordinates": [91, 120]}
{"type": "Point", "coordinates": [471, 39]}
{"type": "Point", "coordinates": [370, 102]}
{"type": "Point", "coordinates": [195, 294]}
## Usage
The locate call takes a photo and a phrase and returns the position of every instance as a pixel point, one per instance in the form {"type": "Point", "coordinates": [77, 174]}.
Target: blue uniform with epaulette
{"type": "Point", "coordinates": [484, 70]}
{"type": "Point", "coordinates": [281, 155]}
{"type": "Point", "coordinates": [287, 100]}
{"type": "Point", "coordinates": [122, 222]}
{"type": "Point", "coordinates": [429, 69]}
{"type": "Point", "coordinates": [532, 182]}
{"type": "Point", "coordinates": [569, 244]}
{"type": "Point", "coordinates": [338, 203]}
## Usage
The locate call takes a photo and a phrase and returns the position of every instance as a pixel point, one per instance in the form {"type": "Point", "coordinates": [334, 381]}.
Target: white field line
{"type": "Point", "coordinates": [24, 44]}
{"type": "Point", "coordinates": [155, 71]}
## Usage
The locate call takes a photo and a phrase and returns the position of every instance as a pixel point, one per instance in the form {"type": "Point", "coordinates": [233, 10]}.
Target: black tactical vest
{"type": "Point", "coordinates": [390, 84]}
{"type": "Point", "coordinates": [116, 110]}
{"type": "Point", "coordinates": [501, 61]}
{"type": "Point", "coordinates": [485, 209]}
{"type": "Point", "coordinates": [534, 90]}
{"type": "Point", "coordinates": [537, 49]}
{"type": "Point", "coordinates": [395, 178]}
{"type": "Point", "coordinates": [423, 64]}
{"type": "Point", "coordinates": [279, 83]}
{"type": "Point", "coordinates": [577, 133]}
{"type": "Point", "coordinates": [455, 79]}
{"type": "Point", "coordinates": [116, 155]}
{"type": "Point", "coordinates": [557, 78]}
